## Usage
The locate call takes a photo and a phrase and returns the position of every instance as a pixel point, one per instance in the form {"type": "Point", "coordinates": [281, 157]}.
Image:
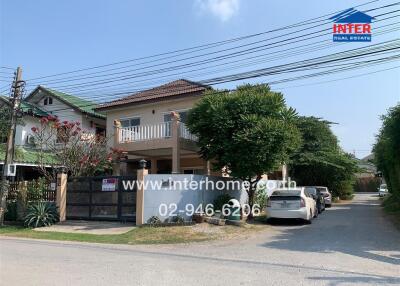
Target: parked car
{"type": "Point", "coordinates": [383, 190]}
{"type": "Point", "coordinates": [326, 194]}
{"type": "Point", "coordinates": [318, 197]}
{"type": "Point", "coordinates": [291, 203]}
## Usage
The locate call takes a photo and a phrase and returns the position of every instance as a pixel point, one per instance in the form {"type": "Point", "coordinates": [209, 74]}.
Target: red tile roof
{"type": "Point", "coordinates": [181, 87]}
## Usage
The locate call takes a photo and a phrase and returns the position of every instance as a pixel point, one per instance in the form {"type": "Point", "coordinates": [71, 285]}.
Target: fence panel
{"type": "Point", "coordinates": [101, 198]}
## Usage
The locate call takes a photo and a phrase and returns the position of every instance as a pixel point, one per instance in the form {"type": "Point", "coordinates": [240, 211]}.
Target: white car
{"type": "Point", "coordinates": [291, 203]}
{"type": "Point", "coordinates": [383, 190]}
{"type": "Point", "coordinates": [327, 195]}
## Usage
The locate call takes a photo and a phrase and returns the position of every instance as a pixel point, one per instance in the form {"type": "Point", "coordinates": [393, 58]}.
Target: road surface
{"type": "Point", "coordinates": [349, 244]}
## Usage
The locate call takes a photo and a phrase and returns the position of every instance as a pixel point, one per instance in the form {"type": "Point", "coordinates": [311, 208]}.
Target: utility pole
{"type": "Point", "coordinates": [17, 88]}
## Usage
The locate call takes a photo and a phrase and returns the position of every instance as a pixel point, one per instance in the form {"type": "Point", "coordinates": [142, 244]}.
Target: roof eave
{"type": "Point", "coordinates": [145, 101]}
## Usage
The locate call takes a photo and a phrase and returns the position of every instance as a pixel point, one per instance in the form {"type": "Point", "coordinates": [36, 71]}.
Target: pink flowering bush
{"type": "Point", "coordinates": [80, 152]}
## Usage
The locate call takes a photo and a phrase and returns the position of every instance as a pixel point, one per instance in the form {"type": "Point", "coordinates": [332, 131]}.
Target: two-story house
{"type": "Point", "coordinates": [150, 125]}
{"type": "Point", "coordinates": [42, 102]}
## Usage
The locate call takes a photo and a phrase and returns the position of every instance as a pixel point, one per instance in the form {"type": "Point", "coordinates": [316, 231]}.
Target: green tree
{"type": "Point", "coordinates": [249, 132]}
{"type": "Point", "coordinates": [5, 120]}
{"type": "Point", "coordinates": [321, 161]}
{"type": "Point", "coordinates": [387, 151]}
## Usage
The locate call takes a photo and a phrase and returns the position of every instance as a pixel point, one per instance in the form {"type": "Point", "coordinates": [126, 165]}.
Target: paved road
{"type": "Point", "coordinates": [349, 244]}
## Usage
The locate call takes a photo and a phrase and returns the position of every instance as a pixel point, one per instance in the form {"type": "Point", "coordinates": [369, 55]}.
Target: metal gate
{"type": "Point", "coordinates": [102, 198]}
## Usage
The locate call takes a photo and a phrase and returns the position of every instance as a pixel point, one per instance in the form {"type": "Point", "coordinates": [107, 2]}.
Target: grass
{"type": "Point", "coordinates": [140, 235]}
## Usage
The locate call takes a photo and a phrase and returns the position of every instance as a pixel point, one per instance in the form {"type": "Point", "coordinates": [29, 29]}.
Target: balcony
{"type": "Point", "coordinates": [161, 141]}
{"type": "Point", "coordinates": [153, 132]}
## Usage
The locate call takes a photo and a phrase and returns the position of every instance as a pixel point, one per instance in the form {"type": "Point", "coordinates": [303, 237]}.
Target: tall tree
{"type": "Point", "coordinates": [387, 150]}
{"type": "Point", "coordinates": [5, 116]}
{"type": "Point", "coordinates": [320, 160]}
{"type": "Point", "coordinates": [249, 132]}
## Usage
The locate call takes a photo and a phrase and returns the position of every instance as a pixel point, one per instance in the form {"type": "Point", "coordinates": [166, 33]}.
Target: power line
{"type": "Point", "coordinates": [311, 47]}
{"type": "Point", "coordinates": [306, 22]}
{"type": "Point", "coordinates": [290, 79]}
{"type": "Point", "coordinates": [345, 78]}
{"type": "Point", "coordinates": [311, 62]}
{"type": "Point", "coordinates": [202, 62]}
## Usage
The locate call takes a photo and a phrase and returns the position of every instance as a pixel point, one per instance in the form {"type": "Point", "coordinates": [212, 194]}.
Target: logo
{"type": "Point", "coordinates": [352, 26]}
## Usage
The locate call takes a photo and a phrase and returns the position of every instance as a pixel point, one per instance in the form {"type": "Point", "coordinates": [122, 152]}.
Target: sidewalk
{"type": "Point", "coordinates": [90, 227]}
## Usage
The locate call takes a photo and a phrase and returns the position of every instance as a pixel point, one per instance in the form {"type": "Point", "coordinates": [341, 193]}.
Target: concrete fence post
{"type": "Point", "coordinates": [141, 174]}
{"type": "Point", "coordinates": [116, 166]}
{"type": "Point", "coordinates": [61, 195]}
{"type": "Point", "coordinates": [22, 200]}
{"type": "Point", "coordinates": [176, 156]}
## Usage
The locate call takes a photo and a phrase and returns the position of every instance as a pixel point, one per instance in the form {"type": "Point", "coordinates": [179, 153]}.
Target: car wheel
{"type": "Point", "coordinates": [309, 220]}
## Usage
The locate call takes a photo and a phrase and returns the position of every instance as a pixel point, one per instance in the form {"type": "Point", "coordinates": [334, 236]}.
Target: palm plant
{"type": "Point", "coordinates": [41, 214]}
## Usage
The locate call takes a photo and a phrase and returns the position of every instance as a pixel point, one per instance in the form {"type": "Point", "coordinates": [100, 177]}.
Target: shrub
{"type": "Point", "coordinates": [261, 197]}
{"type": "Point", "coordinates": [11, 213]}
{"type": "Point", "coordinates": [391, 204]}
{"type": "Point", "coordinates": [344, 190]}
{"type": "Point", "coordinates": [154, 220]}
{"type": "Point", "coordinates": [178, 219]}
{"type": "Point", "coordinates": [220, 201]}
{"type": "Point", "coordinates": [41, 214]}
{"type": "Point", "coordinates": [367, 184]}
{"type": "Point", "coordinates": [36, 189]}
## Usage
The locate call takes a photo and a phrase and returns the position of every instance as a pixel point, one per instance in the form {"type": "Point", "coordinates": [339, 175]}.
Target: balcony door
{"type": "Point", "coordinates": [130, 122]}
{"type": "Point", "coordinates": [131, 131]}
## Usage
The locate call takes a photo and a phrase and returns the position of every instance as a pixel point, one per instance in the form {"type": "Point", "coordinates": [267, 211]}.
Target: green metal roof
{"type": "Point", "coordinates": [27, 107]}
{"type": "Point", "coordinates": [83, 105]}
{"type": "Point", "coordinates": [25, 155]}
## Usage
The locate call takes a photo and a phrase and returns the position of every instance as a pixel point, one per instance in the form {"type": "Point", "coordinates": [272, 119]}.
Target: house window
{"type": "Point", "coordinates": [182, 115]}
{"type": "Point", "coordinates": [48, 101]}
{"type": "Point", "coordinates": [130, 122]}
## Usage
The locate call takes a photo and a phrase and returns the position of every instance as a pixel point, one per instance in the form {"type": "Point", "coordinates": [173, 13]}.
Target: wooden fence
{"type": "Point", "coordinates": [35, 191]}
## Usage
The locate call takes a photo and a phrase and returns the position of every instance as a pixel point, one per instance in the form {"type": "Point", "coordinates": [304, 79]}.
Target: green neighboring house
{"type": "Point", "coordinates": [42, 102]}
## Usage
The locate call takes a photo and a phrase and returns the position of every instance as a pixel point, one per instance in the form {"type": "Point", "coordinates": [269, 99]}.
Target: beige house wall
{"type": "Point", "coordinates": [149, 113]}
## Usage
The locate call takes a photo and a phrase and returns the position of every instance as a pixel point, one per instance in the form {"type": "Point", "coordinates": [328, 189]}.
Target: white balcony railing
{"type": "Point", "coordinates": [145, 132]}
{"type": "Point", "coordinates": [150, 132]}
{"type": "Point", "coordinates": [185, 133]}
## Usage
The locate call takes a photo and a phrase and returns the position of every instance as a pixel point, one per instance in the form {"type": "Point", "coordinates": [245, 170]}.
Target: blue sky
{"type": "Point", "coordinates": [47, 37]}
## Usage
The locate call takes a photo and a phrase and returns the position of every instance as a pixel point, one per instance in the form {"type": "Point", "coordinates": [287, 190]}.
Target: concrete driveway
{"type": "Point", "coordinates": [349, 244]}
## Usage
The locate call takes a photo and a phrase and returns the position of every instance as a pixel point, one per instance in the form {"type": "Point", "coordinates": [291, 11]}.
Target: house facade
{"type": "Point", "coordinates": [151, 125]}
{"type": "Point", "coordinates": [67, 107]}
{"type": "Point", "coordinates": [43, 102]}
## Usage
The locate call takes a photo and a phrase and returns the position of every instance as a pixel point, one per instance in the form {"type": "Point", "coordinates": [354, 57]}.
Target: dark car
{"type": "Point", "coordinates": [318, 197]}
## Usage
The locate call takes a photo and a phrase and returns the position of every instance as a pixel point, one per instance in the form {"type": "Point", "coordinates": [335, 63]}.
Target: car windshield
{"type": "Point", "coordinates": [323, 190]}
{"type": "Point", "coordinates": [286, 193]}
{"type": "Point", "coordinates": [383, 186]}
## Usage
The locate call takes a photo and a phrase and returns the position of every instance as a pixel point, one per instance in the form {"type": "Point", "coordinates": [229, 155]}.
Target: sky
{"type": "Point", "coordinates": [45, 37]}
